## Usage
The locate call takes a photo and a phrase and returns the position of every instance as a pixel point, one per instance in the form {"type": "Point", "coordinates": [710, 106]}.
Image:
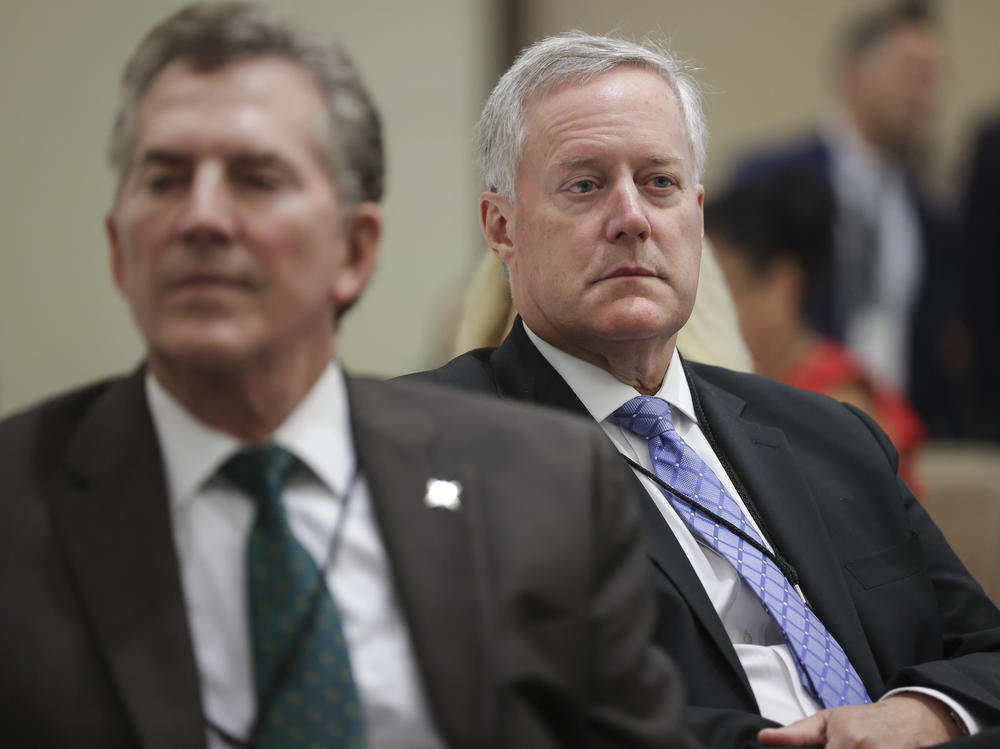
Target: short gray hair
{"type": "Point", "coordinates": [574, 57]}
{"type": "Point", "coordinates": [211, 36]}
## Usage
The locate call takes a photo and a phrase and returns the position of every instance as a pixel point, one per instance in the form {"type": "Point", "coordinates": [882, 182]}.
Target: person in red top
{"type": "Point", "coordinates": [772, 237]}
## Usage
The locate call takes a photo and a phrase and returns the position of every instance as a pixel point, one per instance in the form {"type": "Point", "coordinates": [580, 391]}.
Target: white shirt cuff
{"type": "Point", "coordinates": [971, 724]}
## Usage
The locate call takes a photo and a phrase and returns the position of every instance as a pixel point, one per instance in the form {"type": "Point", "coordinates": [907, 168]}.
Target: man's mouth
{"type": "Point", "coordinates": [626, 271]}
{"type": "Point", "coordinates": [205, 279]}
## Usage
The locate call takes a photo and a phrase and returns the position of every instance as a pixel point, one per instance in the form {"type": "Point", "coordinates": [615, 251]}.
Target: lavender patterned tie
{"type": "Point", "coordinates": [824, 668]}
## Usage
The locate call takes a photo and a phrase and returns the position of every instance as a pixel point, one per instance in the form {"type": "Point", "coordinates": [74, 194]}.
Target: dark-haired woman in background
{"type": "Point", "coordinates": [773, 240]}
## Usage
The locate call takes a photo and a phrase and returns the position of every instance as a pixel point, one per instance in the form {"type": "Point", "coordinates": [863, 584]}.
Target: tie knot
{"type": "Point", "coordinates": [645, 415]}
{"type": "Point", "coordinates": [262, 471]}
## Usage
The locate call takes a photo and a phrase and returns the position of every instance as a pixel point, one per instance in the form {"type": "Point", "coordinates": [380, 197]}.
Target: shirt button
{"type": "Point", "coordinates": [747, 639]}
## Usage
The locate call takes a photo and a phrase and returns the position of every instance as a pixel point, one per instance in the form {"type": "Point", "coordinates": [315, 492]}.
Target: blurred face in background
{"type": "Point", "coordinates": [894, 87]}
{"type": "Point", "coordinates": [768, 300]}
{"type": "Point", "coordinates": [228, 238]}
{"type": "Point", "coordinates": [603, 241]}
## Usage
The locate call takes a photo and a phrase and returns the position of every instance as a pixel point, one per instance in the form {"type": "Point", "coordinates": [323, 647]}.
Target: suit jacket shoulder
{"type": "Point", "coordinates": [95, 644]}
{"type": "Point", "coordinates": [808, 152]}
{"type": "Point", "coordinates": [924, 620]}
{"type": "Point", "coordinates": [531, 573]}
{"type": "Point", "coordinates": [822, 478]}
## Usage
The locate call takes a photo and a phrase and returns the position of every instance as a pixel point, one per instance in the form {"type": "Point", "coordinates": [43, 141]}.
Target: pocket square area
{"type": "Point", "coordinates": [444, 494]}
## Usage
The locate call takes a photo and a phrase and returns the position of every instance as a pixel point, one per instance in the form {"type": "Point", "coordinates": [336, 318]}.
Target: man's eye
{"type": "Point", "coordinates": [584, 185]}
{"type": "Point", "coordinates": [663, 181]}
{"type": "Point", "coordinates": [164, 182]}
{"type": "Point", "coordinates": [257, 181]}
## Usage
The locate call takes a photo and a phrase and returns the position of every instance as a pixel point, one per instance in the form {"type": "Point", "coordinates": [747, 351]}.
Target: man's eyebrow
{"type": "Point", "coordinates": [256, 159]}
{"type": "Point", "coordinates": [168, 158]}
{"type": "Point", "coordinates": [578, 162]}
{"type": "Point", "coordinates": [164, 158]}
{"type": "Point", "coordinates": [664, 160]}
{"type": "Point", "coordinates": [158, 158]}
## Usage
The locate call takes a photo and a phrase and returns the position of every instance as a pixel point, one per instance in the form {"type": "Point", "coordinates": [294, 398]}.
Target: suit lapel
{"type": "Point", "coordinates": [764, 469]}
{"type": "Point", "coordinates": [521, 371]}
{"type": "Point", "coordinates": [111, 513]}
{"type": "Point", "coordinates": [670, 560]}
{"type": "Point", "coordinates": [436, 556]}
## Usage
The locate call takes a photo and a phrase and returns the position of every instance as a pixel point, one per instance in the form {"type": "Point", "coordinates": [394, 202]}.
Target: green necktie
{"type": "Point", "coordinates": [306, 695]}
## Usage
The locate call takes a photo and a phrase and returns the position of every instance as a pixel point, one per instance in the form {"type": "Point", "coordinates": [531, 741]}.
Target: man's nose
{"type": "Point", "coordinates": [209, 212]}
{"type": "Point", "coordinates": [627, 215]}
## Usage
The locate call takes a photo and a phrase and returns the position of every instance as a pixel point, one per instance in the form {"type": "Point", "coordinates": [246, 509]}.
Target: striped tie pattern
{"type": "Point", "coordinates": [823, 666]}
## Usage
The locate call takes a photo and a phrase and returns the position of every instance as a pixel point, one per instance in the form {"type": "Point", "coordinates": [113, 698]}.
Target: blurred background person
{"type": "Point", "coordinates": [891, 292]}
{"type": "Point", "coordinates": [486, 312]}
{"type": "Point", "coordinates": [712, 333]}
{"type": "Point", "coordinates": [981, 252]}
{"type": "Point", "coordinates": [766, 74]}
{"type": "Point", "coordinates": [771, 236]}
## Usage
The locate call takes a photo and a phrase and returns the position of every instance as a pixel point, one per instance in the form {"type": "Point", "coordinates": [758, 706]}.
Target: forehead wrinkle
{"type": "Point", "coordinates": [630, 113]}
{"type": "Point", "coordinates": [585, 162]}
{"type": "Point", "coordinates": [247, 95]}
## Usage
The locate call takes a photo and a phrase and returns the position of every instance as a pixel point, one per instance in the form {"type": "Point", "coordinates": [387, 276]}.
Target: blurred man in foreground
{"type": "Point", "coordinates": [237, 544]}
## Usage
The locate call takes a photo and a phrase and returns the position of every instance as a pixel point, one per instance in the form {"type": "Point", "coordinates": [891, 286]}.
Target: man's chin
{"type": "Point", "coordinates": [204, 347]}
{"type": "Point", "coordinates": [635, 320]}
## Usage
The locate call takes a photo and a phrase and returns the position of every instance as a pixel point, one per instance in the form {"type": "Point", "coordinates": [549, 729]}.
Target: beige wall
{"type": "Point", "coordinates": [429, 66]}
{"type": "Point", "coordinates": [765, 64]}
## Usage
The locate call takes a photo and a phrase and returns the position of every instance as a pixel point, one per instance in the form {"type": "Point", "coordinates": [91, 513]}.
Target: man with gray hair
{"type": "Point", "coordinates": [800, 583]}
{"type": "Point", "coordinates": [239, 545]}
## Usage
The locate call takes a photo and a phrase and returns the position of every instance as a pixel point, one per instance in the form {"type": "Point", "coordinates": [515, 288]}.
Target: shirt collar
{"type": "Point", "coordinates": [599, 391]}
{"type": "Point", "coordinates": [318, 432]}
{"type": "Point", "coordinates": [857, 158]}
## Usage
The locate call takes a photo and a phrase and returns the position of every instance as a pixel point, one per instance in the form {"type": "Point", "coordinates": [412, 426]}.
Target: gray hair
{"type": "Point", "coordinates": [574, 57]}
{"type": "Point", "coordinates": [211, 36]}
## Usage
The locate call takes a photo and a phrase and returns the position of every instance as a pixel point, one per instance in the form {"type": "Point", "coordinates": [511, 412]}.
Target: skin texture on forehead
{"type": "Point", "coordinates": [609, 96]}
{"type": "Point", "coordinates": [604, 240]}
{"type": "Point", "coordinates": [252, 96]}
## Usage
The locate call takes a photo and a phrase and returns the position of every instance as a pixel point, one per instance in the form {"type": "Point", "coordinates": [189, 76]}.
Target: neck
{"type": "Point", "coordinates": [640, 364]}
{"type": "Point", "coordinates": [873, 137]}
{"type": "Point", "coordinates": [247, 400]}
{"type": "Point", "coordinates": [787, 346]}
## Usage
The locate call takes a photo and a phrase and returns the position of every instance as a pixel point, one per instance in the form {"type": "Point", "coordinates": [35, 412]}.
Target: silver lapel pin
{"type": "Point", "coordinates": [444, 494]}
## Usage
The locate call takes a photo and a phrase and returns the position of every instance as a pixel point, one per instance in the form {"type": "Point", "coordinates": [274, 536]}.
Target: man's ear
{"type": "Point", "coordinates": [701, 208]}
{"type": "Point", "coordinates": [116, 253]}
{"type": "Point", "coordinates": [495, 212]}
{"type": "Point", "coordinates": [361, 237]}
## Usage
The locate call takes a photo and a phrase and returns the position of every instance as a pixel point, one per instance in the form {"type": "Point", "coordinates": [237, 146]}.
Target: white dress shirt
{"type": "Point", "coordinates": [874, 191]}
{"type": "Point", "coordinates": [211, 523]}
{"type": "Point", "coordinates": [766, 659]}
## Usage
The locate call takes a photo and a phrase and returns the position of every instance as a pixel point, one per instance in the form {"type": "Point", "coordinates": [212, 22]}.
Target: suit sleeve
{"type": "Point", "coordinates": [968, 669]}
{"type": "Point", "coordinates": [636, 697]}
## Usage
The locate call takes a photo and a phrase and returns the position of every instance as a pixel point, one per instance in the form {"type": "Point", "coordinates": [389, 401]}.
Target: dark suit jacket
{"type": "Point", "coordinates": [528, 607]}
{"type": "Point", "coordinates": [823, 479]}
{"type": "Point", "coordinates": [981, 277]}
{"type": "Point", "coordinates": [937, 371]}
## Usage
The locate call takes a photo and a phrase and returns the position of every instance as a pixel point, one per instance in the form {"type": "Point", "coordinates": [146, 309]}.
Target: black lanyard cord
{"type": "Point", "coordinates": [780, 562]}
{"type": "Point", "coordinates": [288, 658]}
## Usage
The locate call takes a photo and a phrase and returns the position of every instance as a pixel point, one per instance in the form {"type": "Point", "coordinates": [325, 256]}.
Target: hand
{"type": "Point", "coordinates": [903, 721]}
